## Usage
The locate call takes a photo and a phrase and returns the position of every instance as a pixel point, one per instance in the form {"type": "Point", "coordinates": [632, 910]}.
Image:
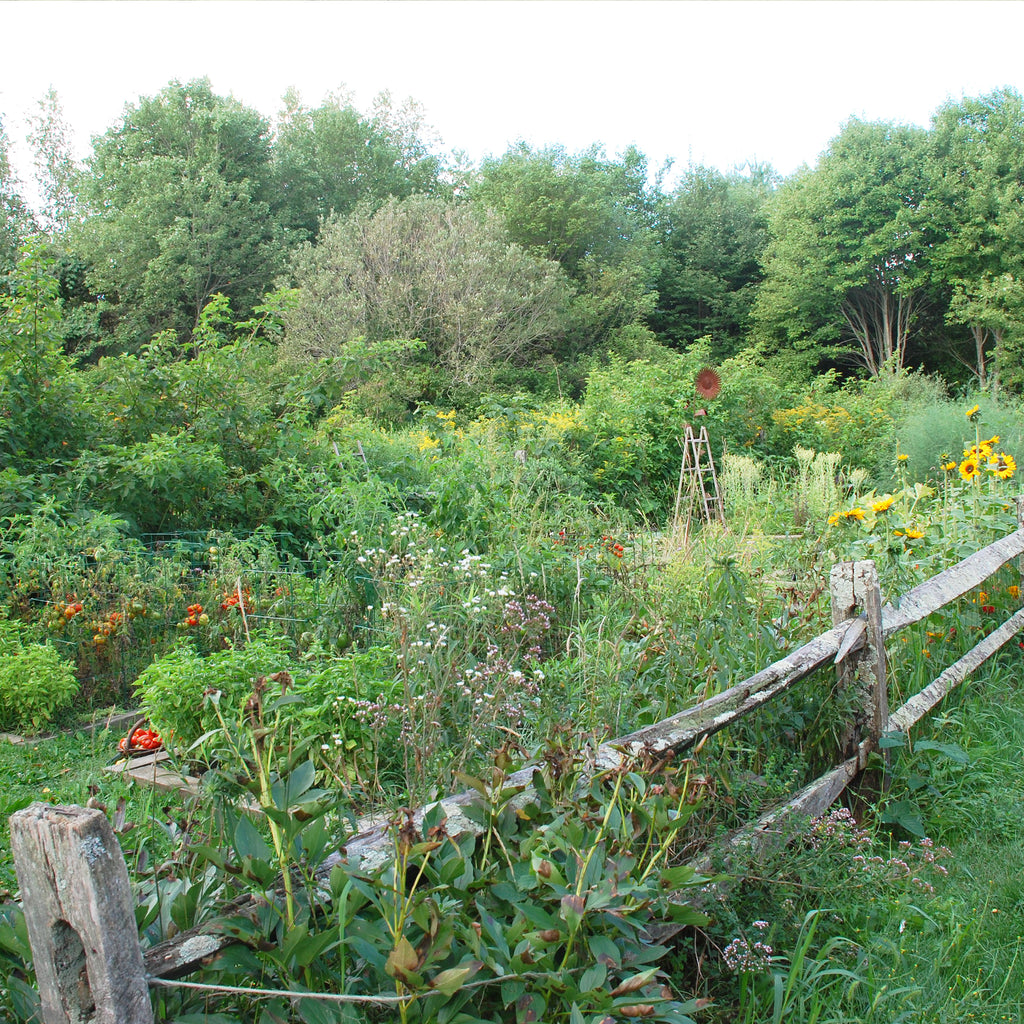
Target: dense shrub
{"type": "Point", "coordinates": [35, 682]}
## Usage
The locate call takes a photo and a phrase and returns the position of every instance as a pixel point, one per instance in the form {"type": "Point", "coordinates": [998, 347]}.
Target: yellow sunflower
{"type": "Point", "coordinates": [969, 468]}
{"type": "Point", "coordinates": [1002, 465]}
{"type": "Point", "coordinates": [854, 513]}
{"type": "Point", "coordinates": [973, 412]}
{"type": "Point", "coordinates": [914, 534]}
{"type": "Point", "coordinates": [882, 505]}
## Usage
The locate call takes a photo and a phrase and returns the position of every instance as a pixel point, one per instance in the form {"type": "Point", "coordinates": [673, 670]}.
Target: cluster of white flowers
{"type": "Point", "coordinates": [749, 957]}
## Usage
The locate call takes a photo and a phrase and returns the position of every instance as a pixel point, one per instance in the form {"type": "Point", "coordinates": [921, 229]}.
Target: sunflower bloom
{"type": "Point", "coordinates": [914, 534]}
{"type": "Point", "coordinates": [1002, 466]}
{"type": "Point", "coordinates": [855, 513]}
{"type": "Point", "coordinates": [973, 412]}
{"type": "Point", "coordinates": [949, 467]}
{"type": "Point", "coordinates": [883, 505]}
{"type": "Point", "coordinates": [969, 468]}
{"type": "Point", "coordinates": [834, 518]}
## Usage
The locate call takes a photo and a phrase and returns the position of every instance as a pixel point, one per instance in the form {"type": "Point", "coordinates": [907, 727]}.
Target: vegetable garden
{"type": "Point", "coordinates": [429, 607]}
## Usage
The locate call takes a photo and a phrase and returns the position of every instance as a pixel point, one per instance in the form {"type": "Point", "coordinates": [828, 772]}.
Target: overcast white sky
{"type": "Point", "coordinates": [705, 82]}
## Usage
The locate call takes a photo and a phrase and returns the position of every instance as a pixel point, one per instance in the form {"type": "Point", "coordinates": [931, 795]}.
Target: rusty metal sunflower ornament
{"type": "Point", "coordinates": [708, 383]}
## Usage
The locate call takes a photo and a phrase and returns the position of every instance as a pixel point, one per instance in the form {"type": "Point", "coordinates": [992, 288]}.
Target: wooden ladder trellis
{"type": "Point", "coordinates": [698, 482]}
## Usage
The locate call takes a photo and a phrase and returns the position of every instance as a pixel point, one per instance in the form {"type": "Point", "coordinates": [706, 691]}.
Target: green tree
{"type": "Point", "coordinates": [180, 200]}
{"type": "Point", "coordinates": [713, 229]}
{"type": "Point", "coordinates": [590, 214]}
{"type": "Point", "coordinates": [40, 406]}
{"type": "Point", "coordinates": [425, 269]}
{"type": "Point", "coordinates": [15, 220]}
{"type": "Point", "coordinates": [843, 266]}
{"type": "Point", "coordinates": [57, 171]}
{"type": "Point", "coordinates": [973, 214]}
{"type": "Point", "coordinates": [329, 159]}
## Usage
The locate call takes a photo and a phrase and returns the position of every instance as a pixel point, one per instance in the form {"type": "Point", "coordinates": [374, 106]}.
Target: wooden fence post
{"type": "Point", "coordinates": [855, 593]}
{"type": "Point", "coordinates": [80, 914]}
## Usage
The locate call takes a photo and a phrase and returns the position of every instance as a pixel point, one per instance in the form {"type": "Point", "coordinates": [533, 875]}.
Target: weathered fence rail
{"type": "Point", "coordinates": [75, 886]}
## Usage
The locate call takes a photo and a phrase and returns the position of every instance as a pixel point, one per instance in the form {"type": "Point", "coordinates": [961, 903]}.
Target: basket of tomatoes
{"type": "Point", "coordinates": [140, 740]}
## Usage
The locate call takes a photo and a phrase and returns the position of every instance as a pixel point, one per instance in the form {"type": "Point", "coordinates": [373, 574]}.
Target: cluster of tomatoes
{"type": "Point", "coordinates": [231, 600]}
{"type": "Point", "coordinates": [140, 738]}
{"type": "Point", "coordinates": [103, 628]}
{"type": "Point", "coordinates": [196, 617]}
{"type": "Point", "coordinates": [613, 546]}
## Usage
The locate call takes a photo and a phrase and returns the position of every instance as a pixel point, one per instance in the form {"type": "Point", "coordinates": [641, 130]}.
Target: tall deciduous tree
{"type": "Point", "coordinates": [180, 200]}
{"type": "Point", "coordinates": [713, 228]}
{"type": "Point", "coordinates": [15, 220]}
{"type": "Point", "coordinates": [590, 214]}
{"type": "Point", "coordinates": [329, 159]}
{"type": "Point", "coordinates": [975, 221]}
{"type": "Point", "coordinates": [844, 261]}
{"type": "Point", "coordinates": [428, 270]}
{"type": "Point", "coordinates": [52, 142]}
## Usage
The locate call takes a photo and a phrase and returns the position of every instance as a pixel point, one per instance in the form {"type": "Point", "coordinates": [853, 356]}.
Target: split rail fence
{"type": "Point", "coordinates": [77, 896]}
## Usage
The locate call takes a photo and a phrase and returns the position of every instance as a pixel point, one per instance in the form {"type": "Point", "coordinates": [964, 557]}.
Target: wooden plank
{"type": "Point", "coordinates": [921, 703]}
{"type": "Point", "coordinates": [154, 770]}
{"type": "Point", "coordinates": [80, 915]}
{"type": "Point", "coordinates": [953, 583]}
{"type": "Point", "coordinates": [772, 827]}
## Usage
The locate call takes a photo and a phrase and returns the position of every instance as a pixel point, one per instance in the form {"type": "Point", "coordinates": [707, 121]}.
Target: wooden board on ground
{"type": "Point", "coordinates": [154, 770]}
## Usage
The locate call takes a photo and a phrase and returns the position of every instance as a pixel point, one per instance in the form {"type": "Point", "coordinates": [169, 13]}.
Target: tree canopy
{"type": "Point", "coordinates": [178, 197]}
{"type": "Point", "coordinates": [427, 270]}
{"type": "Point", "coordinates": [898, 245]}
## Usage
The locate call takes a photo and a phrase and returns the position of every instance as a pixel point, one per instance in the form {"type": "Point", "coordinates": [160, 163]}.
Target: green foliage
{"type": "Point", "coordinates": [547, 911]}
{"type": "Point", "coordinates": [589, 214]}
{"type": "Point", "coordinates": [178, 196]}
{"type": "Point", "coordinates": [41, 416]}
{"type": "Point", "coordinates": [15, 218]}
{"type": "Point", "coordinates": [330, 159]}
{"type": "Point", "coordinates": [35, 682]}
{"type": "Point", "coordinates": [429, 270]}
{"type": "Point", "coordinates": [714, 230]}
{"type": "Point", "coordinates": [841, 265]}
{"type": "Point", "coordinates": [164, 483]}
{"type": "Point", "coordinates": [186, 695]}
{"type": "Point", "coordinates": [972, 213]}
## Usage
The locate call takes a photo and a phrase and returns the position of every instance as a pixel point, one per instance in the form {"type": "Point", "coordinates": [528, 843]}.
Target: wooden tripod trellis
{"type": "Point", "coordinates": [698, 482]}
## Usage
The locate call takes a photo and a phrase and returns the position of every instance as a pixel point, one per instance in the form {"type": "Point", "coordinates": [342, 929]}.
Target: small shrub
{"type": "Point", "coordinates": [35, 683]}
{"type": "Point", "coordinates": [174, 690]}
